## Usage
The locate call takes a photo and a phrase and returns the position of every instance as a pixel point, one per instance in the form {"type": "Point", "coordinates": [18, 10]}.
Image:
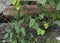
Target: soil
{"type": "Point", "coordinates": [52, 30]}
{"type": "Point", "coordinates": [54, 33]}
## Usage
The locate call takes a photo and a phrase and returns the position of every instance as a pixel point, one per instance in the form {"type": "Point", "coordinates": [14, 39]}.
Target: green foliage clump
{"type": "Point", "coordinates": [40, 22]}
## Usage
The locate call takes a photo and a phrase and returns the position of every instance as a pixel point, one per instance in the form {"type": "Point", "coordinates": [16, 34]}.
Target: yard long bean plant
{"type": "Point", "coordinates": [50, 15]}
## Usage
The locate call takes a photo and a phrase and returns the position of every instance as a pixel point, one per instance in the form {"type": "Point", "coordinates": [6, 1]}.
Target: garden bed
{"type": "Point", "coordinates": [30, 24]}
{"type": "Point", "coordinates": [47, 38]}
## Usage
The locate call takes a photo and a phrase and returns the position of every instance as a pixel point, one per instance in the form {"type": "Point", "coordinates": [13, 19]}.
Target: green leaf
{"type": "Point", "coordinates": [31, 23]}
{"type": "Point", "coordinates": [46, 25]}
{"type": "Point", "coordinates": [6, 36]}
{"type": "Point", "coordinates": [17, 29]}
{"type": "Point", "coordinates": [14, 9]}
{"type": "Point", "coordinates": [40, 32]}
{"type": "Point", "coordinates": [21, 14]}
{"type": "Point", "coordinates": [8, 30]}
{"type": "Point", "coordinates": [57, 22]}
{"type": "Point", "coordinates": [52, 3]}
{"type": "Point", "coordinates": [14, 23]}
{"type": "Point", "coordinates": [13, 2]}
{"type": "Point", "coordinates": [11, 36]}
{"type": "Point", "coordinates": [17, 5]}
{"type": "Point", "coordinates": [58, 15]}
{"type": "Point", "coordinates": [41, 16]}
{"type": "Point", "coordinates": [58, 6]}
{"type": "Point", "coordinates": [54, 16]}
{"type": "Point", "coordinates": [14, 41]}
{"type": "Point", "coordinates": [23, 31]}
{"type": "Point", "coordinates": [22, 41]}
{"type": "Point", "coordinates": [35, 26]}
{"type": "Point", "coordinates": [20, 22]}
{"type": "Point", "coordinates": [42, 2]}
